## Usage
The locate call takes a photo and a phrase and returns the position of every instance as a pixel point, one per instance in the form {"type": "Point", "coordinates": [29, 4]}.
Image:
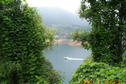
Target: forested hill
{"type": "Point", "coordinates": [63, 21]}
{"type": "Point", "coordinates": [59, 16]}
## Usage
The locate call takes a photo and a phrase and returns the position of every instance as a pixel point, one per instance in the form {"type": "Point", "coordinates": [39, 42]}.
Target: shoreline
{"type": "Point", "coordinates": [69, 42]}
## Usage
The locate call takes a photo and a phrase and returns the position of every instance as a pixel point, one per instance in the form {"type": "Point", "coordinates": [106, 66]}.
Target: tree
{"type": "Point", "coordinates": [107, 41]}
{"type": "Point", "coordinates": [108, 36]}
{"type": "Point", "coordinates": [82, 37]}
{"type": "Point", "coordinates": [22, 39]}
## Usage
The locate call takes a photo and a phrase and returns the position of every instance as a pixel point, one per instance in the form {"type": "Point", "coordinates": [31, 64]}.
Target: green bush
{"type": "Point", "coordinates": [124, 57]}
{"type": "Point", "coordinates": [98, 71]}
{"type": "Point", "coordinates": [83, 37]}
{"type": "Point", "coordinates": [22, 39]}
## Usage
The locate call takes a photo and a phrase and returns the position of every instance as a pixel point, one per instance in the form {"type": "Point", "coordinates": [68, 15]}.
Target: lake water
{"type": "Point", "coordinates": [72, 60]}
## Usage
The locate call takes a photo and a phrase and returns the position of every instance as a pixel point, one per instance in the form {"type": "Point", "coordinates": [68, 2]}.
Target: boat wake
{"type": "Point", "coordinates": [76, 59]}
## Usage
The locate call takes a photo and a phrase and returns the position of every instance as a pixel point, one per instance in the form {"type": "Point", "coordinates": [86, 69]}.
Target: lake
{"type": "Point", "coordinates": [66, 58]}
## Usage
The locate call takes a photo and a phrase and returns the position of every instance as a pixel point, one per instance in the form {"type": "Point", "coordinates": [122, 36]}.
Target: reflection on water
{"type": "Point", "coordinates": [63, 59]}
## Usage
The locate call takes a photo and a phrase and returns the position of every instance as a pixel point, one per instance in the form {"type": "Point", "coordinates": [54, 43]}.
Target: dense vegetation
{"type": "Point", "coordinates": [106, 40]}
{"type": "Point", "coordinates": [98, 71]}
{"type": "Point", "coordinates": [107, 37]}
{"type": "Point", "coordinates": [22, 39]}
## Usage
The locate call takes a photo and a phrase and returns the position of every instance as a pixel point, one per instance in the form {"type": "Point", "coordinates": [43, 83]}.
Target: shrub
{"type": "Point", "coordinates": [124, 57]}
{"type": "Point", "coordinates": [98, 71]}
{"type": "Point", "coordinates": [22, 39]}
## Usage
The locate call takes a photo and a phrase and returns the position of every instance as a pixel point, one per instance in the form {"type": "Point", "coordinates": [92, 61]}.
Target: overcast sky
{"type": "Point", "coordinates": [69, 5]}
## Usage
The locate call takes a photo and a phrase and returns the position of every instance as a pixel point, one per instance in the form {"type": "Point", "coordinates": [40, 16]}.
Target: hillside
{"type": "Point", "coordinates": [63, 21]}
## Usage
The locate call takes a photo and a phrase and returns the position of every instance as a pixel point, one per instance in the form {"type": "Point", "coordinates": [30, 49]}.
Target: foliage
{"type": "Point", "coordinates": [88, 59]}
{"type": "Point", "coordinates": [107, 38]}
{"type": "Point", "coordinates": [83, 37]}
{"type": "Point", "coordinates": [124, 58]}
{"type": "Point", "coordinates": [98, 71]}
{"type": "Point", "coordinates": [107, 41]}
{"type": "Point", "coordinates": [22, 39]}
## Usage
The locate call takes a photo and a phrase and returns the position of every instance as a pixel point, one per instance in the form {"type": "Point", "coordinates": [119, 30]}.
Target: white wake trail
{"type": "Point", "coordinates": [76, 59]}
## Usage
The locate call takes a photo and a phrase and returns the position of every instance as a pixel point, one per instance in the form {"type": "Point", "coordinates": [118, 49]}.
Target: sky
{"type": "Point", "coordinates": [69, 5]}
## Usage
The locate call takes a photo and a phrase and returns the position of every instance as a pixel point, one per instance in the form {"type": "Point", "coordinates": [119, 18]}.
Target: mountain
{"type": "Point", "coordinates": [64, 21]}
{"type": "Point", "coordinates": [59, 16]}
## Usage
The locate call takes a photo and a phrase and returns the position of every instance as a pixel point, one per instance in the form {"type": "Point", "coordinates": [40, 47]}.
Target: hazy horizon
{"type": "Point", "coordinates": [69, 5]}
